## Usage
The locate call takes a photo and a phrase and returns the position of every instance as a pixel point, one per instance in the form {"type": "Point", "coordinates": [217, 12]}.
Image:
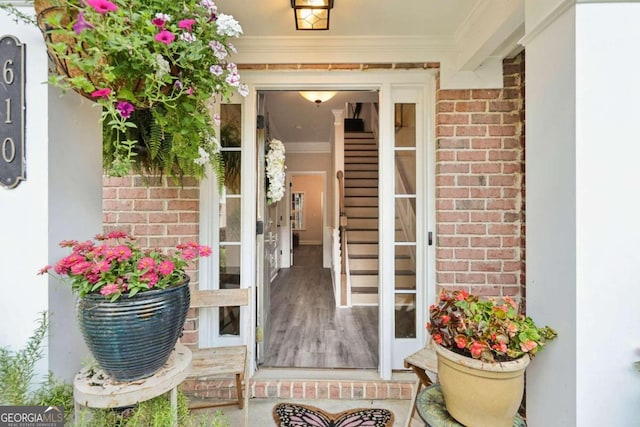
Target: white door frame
{"type": "Point", "coordinates": [383, 82]}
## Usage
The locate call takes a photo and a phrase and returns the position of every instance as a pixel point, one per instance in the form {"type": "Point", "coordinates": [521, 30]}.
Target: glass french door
{"type": "Point", "coordinates": [407, 165]}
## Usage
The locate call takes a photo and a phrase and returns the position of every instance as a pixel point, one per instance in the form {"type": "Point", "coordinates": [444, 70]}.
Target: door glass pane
{"type": "Point", "coordinates": [230, 140]}
{"type": "Point", "coordinates": [405, 267]}
{"type": "Point", "coordinates": [406, 172]}
{"type": "Point", "coordinates": [230, 213]}
{"type": "Point", "coordinates": [229, 317]}
{"type": "Point", "coordinates": [230, 219]}
{"type": "Point", "coordinates": [232, 176]}
{"type": "Point", "coordinates": [405, 315]}
{"type": "Point", "coordinates": [405, 123]}
{"type": "Point", "coordinates": [405, 219]}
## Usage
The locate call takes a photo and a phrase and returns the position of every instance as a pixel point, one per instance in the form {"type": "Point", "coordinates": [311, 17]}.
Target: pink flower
{"type": "Point", "coordinates": [102, 6]}
{"type": "Point", "coordinates": [44, 270]}
{"type": "Point", "coordinates": [512, 329]}
{"type": "Point", "coordinates": [101, 93]}
{"type": "Point", "coordinates": [146, 263]}
{"type": "Point", "coordinates": [166, 267]}
{"type": "Point", "coordinates": [109, 288]}
{"type": "Point", "coordinates": [437, 338]}
{"type": "Point", "coordinates": [165, 37]}
{"type": "Point", "coordinates": [461, 341]}
{"type": "Point", "coordinates": [151, 278]}
{"type": "Point", "coordinates": [511, 302]}
{"type": "Point", "coordinates": [101, 266]}
{"type": "Point", "coordinates": [204, 250]}
{"type": "Point", "coordinates": [500, 346]}
{"type": "Point", "coordinates": [187, 24]}
{"type": "Point", "coordinates": [123, 252]}
{"type": "Point", "coordinates": [117, 235]}
{"type": "Point", "coordinates": [445, 319]}
{"type": "Point", "coordinates": [189, 254]}
{"type": "Point", "coordinates": [125, 108]}
{"type": "Point", "coordinates": [68, 243]}
{"type": "Point", "coordinates": [476, 349]}
{"type": "Point", "coordinates": [528, 345]}
{"type": "Point", "coordinates": [462, 295]}
{"type": "Point", "coordinates": [80, 267]}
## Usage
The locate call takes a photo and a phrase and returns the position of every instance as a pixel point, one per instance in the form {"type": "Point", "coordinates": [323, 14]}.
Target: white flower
{"type": "Point", "coordinates": [163, 66]}
{"type": "Point", "coordinates": [204, 157]}
{"type": "Point", "coordinates": [216, 119]}
{"type": "Point", "coordinates": [210, 6]}
{"type": "Point", "coordinates": [188, 37]}
{"type": "Point", "coordinates": [164, 17]}
{"type": "Point", "coordinates": [228, 26]}
{"type": "Point", "coordinates": [233, 79]}
{"type": "Point", "coordinates": [219, 51]}
{"type": "Point", "coordinates": [275, 171]}
{"type": "Point", "coordinates": [216, 70]}
{"type": "Point", "coordinates": [243, 89]}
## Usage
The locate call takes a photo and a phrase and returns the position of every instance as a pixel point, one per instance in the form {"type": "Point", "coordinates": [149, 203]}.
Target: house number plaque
{"type": "Point", "coordinates": [12, 112]}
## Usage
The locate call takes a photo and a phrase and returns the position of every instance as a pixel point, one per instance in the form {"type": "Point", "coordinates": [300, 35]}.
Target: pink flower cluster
{"type": "Point", "coordinates": [122, 267]}
{"type": "Point", "coordinates": [491, 330]}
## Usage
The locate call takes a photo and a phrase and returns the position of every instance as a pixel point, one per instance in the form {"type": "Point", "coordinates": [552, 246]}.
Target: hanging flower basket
{"type": "Point", "coordinates": [154, 67]}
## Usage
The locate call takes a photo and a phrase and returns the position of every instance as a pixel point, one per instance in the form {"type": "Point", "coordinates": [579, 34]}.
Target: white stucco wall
{"type": "Point", "coordinates": [23, 228]}
{"type": "Point", "coordinates": [582, 208]}
{"type": "Point", "coordinates": [607, 187]}
{"type": "Point", "coordinates": [60, 199]}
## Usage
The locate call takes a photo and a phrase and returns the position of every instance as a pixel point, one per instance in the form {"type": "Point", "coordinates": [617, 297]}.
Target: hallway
{"type": "Point", "coordinates": [306, 328]}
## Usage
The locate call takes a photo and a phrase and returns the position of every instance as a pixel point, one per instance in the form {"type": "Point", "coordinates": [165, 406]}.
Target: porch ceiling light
{"type": "Point", "coordinates": [318, 97]}
{"type": "Point", "coordinates": [312, 14]}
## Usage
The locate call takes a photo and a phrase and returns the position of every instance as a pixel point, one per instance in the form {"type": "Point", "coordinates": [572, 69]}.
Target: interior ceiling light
{"type": "Point", "coordinates": [318, 97]}
{"type": "Point", "coordinates": [311, 14]}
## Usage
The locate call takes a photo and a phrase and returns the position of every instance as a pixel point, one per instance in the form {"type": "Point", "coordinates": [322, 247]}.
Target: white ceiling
{"type": "Point", "coordinates": [354, 17]}
{"type": "Point", "coordinates": [457, 33]}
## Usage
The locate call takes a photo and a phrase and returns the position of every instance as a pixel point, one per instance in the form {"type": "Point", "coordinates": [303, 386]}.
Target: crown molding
{"type": "Point", "coordinates": [333, 49]}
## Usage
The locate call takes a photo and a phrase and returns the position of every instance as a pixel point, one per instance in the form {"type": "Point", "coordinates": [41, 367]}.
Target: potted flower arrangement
{"type": "Point", "coordinates": [153, 67]}
{"type": "Point", "coordinates": [132, 301]}
{"type": "Point", "coordinates": [483, 349]}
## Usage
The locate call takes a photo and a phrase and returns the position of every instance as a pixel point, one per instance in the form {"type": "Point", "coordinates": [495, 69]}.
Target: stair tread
{"type": "Point", "coordinates": [364, 290]}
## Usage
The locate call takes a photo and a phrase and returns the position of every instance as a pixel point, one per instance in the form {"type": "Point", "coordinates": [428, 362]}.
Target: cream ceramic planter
{"type": "Point", "coordinates": [480, 394]}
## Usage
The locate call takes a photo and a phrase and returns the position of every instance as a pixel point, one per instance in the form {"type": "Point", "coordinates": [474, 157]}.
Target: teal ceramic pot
{"type": "Point", "coordinates": [132, 338]}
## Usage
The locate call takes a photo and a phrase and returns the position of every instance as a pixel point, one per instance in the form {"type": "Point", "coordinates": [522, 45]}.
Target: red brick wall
{"type": "Point", "coordinates": [480, 186]}
{"type": "Point", "coordinates": [479, 193]}
{"type": "Point", "coordinates": [160, 213]}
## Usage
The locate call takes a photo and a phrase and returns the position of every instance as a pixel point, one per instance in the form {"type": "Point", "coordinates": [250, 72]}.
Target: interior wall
{"type": "Point", "coordinates": [313, 188]}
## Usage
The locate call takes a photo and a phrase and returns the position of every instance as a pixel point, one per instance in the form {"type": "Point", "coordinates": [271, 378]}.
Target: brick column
{"type": "Point", "coordinates": [480, 186]}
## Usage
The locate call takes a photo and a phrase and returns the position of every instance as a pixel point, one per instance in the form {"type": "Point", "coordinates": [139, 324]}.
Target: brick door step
{"type": "Point", "coordinates": [303, 389]}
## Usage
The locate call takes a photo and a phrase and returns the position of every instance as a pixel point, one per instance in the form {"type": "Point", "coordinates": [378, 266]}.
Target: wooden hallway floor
{"type": "Point", "coordinates": [307, 330]}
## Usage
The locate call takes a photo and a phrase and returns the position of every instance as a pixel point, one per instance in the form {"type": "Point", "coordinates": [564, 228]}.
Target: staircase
{"type": "Point", "coordinates": [361, 205]}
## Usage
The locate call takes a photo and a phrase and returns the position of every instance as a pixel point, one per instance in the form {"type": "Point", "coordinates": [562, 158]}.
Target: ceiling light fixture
{"type": "Point", "coordinates": [311, 14]}
{"type": "Point", "coordinates": [318, 97]}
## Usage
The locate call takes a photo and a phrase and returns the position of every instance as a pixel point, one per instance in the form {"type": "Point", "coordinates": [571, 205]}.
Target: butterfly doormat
{"type": "Point", "coordinates": [296, 415]}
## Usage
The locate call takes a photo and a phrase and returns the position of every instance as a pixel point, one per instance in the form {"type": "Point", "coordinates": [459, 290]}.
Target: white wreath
{"type": "Point", "coordinates": [275, 171]}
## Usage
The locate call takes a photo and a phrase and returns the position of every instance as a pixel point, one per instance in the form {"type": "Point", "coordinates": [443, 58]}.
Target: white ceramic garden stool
{"type": "Point", "coordinates": [97, 390]}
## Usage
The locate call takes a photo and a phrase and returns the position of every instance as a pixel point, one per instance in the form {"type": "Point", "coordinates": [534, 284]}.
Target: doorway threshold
{"type": "Point", "coordinates": [332, 384]}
